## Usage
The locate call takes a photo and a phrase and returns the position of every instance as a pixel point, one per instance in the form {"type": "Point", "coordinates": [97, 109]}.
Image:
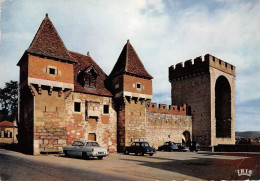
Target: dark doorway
{"type": "Point", "coordinates": [186, 138]}
{"type": "Point", "coordinates": [223, 108]}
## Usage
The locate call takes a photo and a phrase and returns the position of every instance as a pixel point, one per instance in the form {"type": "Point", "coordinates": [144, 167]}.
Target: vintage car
{"type": "Point", "coordinates": [168, 146]}
{"type": "Point", "coordinates": [140, 148]}
{"type": "Point", "coordinates": [85, 149]}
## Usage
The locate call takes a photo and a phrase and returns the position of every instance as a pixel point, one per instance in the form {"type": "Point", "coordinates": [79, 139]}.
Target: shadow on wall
{"type": "Point", "coordinates": [208, 168]}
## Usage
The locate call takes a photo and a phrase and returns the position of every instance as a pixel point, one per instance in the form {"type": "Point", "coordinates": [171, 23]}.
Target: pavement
{"type": "Point", "coordinates": [117, 166]}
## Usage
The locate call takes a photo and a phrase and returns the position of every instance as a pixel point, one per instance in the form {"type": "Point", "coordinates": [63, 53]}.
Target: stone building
{"type": "Point", "coordinates": [65, 96]}
{"type": "Point", "coordinates": [208, 87]}
{"type": "Point", "coordinates": [8, 132]}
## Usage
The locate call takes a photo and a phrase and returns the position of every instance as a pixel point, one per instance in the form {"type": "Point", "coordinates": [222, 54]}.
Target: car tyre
{"type": "Point", "coordinates": [100, 157]}
{"type": "Point", "coordinates": [142, 154]}
{"type": "Point", "coordinates": [66, 154]}
{"type": "Point", "coordinates": [126, 152]}
{"type": "Point", "coordinates": [85, 156]}
{"type": "Point", "coordinates": [150, 154]}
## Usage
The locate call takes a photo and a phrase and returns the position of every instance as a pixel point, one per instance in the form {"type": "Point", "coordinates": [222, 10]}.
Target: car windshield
{"type": "Point", "coordinates": [92, 144]}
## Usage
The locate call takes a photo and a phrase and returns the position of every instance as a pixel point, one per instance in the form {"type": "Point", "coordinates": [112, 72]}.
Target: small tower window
{"type": "Point", "coordinates": [106, 109]}
{"type": "Point", "coordinates": [52, 71]}
{"type": "Point", "coordinates": [76, 106]}
{"type": "Point", "coordinates": [138, 86]}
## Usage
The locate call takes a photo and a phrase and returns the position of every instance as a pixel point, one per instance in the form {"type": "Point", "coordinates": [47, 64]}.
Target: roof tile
{"type": "Point", "coordinates": [47, 42]}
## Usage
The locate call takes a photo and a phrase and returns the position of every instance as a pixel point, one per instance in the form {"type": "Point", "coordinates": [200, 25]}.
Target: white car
{"type": "Point", "coordinates": [85, 149]}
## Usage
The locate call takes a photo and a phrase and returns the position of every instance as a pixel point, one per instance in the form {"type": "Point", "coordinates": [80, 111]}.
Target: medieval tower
{"type": "Point", "coordinates": [132, 88]}
{"type": "Point", "coordinates": [208, 87]}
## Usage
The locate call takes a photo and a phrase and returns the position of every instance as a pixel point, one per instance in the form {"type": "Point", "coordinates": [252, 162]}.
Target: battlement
{"type": "Point", "coordinates": [198, 66]}
{"type": "Point", "coordinates": [163, 108]}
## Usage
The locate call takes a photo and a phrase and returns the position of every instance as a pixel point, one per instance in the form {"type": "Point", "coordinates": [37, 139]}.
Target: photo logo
{"type": "Point", "coordinates": [244, 172]}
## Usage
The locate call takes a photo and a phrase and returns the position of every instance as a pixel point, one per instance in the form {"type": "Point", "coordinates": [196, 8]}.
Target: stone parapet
{"type": "Point", "coordinates": [199, 66]}
{"type": "Point", "coordinates": [163, 108]}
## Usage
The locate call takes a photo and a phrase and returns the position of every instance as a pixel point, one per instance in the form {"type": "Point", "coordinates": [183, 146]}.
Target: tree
{"type": "Point", "coordinates": [9, 99]}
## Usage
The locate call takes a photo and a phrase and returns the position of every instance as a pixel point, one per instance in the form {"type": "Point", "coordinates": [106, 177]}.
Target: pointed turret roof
{"type": "Point", "coordinates": [129, 63]}
{"type": "Point", "coordinates": [47, 42]}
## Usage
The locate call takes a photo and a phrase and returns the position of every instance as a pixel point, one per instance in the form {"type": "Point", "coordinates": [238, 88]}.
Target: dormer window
{"type": "Point", "coordinates": [88, 78]}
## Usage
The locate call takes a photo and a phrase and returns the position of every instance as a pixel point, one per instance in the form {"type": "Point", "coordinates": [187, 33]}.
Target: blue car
{"type": "Point", "coordinates": [140, 148]}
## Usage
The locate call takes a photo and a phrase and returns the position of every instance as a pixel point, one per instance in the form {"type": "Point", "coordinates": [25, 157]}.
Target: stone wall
{"type": "Point", "coordinates": [91, 120]}
{"type": "Point", "coordinates": [25, 130]}
{"type": "Point", "coordinates": [135, 124]}
{"type": "Point", "coordinates": [161, 127]}
{"type": "Point", "coordinates": [195, 91]}
{"type": "Point", "coordinates": [49, 121]}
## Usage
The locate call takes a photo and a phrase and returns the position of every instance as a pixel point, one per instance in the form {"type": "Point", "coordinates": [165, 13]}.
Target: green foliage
{"type": "Point", "coordinates": [9, 99]}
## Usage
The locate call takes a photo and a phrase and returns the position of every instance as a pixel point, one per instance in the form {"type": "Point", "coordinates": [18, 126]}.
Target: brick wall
{"type": "Point", "coordinates": [130, 85]}
{"type": "Point", "coordinates": [38, 68]}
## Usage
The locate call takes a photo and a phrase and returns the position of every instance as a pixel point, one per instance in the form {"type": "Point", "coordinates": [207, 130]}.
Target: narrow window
{"type": "Point", "coordinates": [106, 109]}
{"type": "Point", "coordinates": [76, 106]}
{"type": "Point", "coordinates": [6, 134]}
{"type": "Point", "coordinates": [138, 86]}
{"type": "Point", "coordinates": [52, 71]}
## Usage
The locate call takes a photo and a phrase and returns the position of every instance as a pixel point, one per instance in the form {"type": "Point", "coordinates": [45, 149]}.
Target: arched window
{"type": "Point", "coordinates": [223, 108]}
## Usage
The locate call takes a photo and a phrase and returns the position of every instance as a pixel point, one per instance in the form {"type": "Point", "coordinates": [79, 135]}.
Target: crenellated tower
{"type": "Point", "coordinates": [208, 87]}
{"type": "Point", "coordinates": [131, 85]}
{"type": "Point", "coordinates": [46, 79]}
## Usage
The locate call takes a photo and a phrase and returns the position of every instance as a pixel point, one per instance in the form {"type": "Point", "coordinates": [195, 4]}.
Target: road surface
{"type": "Point", "coordinates": [161, 166]}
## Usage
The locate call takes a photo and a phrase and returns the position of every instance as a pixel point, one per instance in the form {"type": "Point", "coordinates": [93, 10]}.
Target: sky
{"type": "Point", "coordinates": [163, 33]}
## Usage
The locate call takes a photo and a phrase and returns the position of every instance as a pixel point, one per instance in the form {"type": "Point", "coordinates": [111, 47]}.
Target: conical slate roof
{"type": "Point", "coordinates": [47, 42]}
{"type": "Point", "coordinates": [129, 63]}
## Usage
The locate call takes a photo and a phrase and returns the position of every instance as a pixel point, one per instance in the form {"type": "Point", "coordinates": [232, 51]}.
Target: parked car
{"type": "Point", "coordinates": [85, 149]}
{"type": "Point", "coordinates": [183, 147]}
{"type": "Point", "coordinates": [140, 148]}
{"type": "Point", "coordinates": [168, 146]}
{"type": "Point", "coordinates": [195, 146]}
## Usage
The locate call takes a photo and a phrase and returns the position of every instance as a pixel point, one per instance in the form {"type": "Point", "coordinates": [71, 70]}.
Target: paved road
{"type": "Point", "coordinates": [161, 166]}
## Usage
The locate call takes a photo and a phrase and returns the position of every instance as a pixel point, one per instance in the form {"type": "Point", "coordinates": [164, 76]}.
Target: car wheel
{"type": "Point", "coordinates": [84, 155]}
{"type": "Point", "coordinates": [100, 157]}
{"type": "Point", "coordinates": [66, 154]}
{"type": "Point", "coordinates": [151, 154]}
{"type": "Point", "coordinates": [126, 152]}
{"type": "Point", "coordinates": [136, 153]}
{"type": "Point", "coordinates": [142, 153]}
